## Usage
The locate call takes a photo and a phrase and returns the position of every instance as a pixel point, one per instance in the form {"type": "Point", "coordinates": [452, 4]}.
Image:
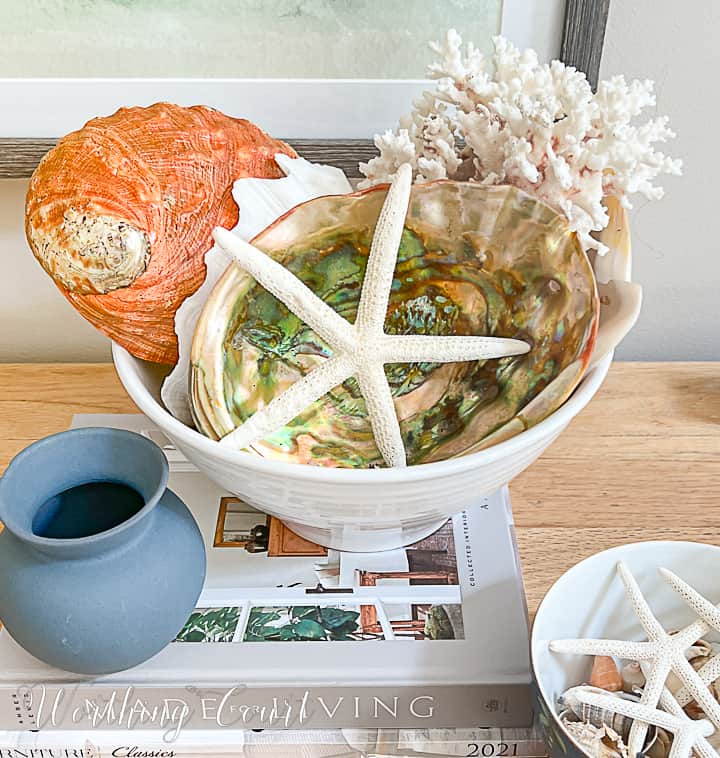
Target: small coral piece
{"type": "Point", "coordinates": [537, 126]}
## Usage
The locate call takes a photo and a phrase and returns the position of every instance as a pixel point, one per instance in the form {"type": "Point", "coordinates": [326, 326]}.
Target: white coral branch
{"type": "Point", "coordinates": [512, 120]}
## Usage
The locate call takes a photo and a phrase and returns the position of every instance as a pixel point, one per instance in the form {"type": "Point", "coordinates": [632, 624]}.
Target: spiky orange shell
{"type": "Point", "coordinates": [120, 213]}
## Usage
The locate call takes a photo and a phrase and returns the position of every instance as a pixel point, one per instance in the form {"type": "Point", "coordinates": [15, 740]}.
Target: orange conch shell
{"type": "Point", "coordinates": [120, 213]}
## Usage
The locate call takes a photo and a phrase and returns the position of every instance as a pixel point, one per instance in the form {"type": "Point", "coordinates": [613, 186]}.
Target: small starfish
{"type": "Point", "coordinates": [688, 735]}
{"type": "Point", "coordinates": [710, 615]}
{"type": "Point", "coordinates": [701, 746]}
{"type": "Point", "coordinates": [663, 651]}
{"type": "Point", "coordinates": [360, 349]}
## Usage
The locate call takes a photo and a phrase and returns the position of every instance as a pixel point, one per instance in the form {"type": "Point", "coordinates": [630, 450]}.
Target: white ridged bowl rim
{"type": "Point", "coordinates": [550, 426]}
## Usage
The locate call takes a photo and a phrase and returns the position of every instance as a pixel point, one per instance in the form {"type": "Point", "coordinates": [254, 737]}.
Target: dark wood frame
{"type": "Point", "coordinates": [584, 35]}
{"type": "Point", "coordinates": [582, 44]}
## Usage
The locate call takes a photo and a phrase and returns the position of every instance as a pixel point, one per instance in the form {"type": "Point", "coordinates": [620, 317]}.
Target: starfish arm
{"type": "Point", "coordinates": [285, 407]}
{"type": "Point", "coordinates": [688, 636]}
{"type": "Point", "coordinates": [692, 738]}
{"type": "Point", "coordinates": [287, 288]}
{"type": "Point", "coordinates": [377, 283]}
{"type": "Point", "coordinates": [381, 412]}
{"type": "Point", "coordinates": [708, 673]}
{"type": "Point", "coordinates": [632, 651]}
{"type": "Point", "coordinates": [670, 704]}
{"type": "Point", "coordinates": [704, 749]}
{"type": "Point", "coordinates": [653, 628]}
{"type": "Point", "coordinates": [682, 744]}
{"type": "Point", "coordinates": [654, 684]}
{"type": "Point", "coordinates": [412, 348]}
{"type": "Point", "coordinates": [697, 688]}
{"type": "Point", "coordinates": [702, 746]}
{"type": "Point", "coordinates": [708, 612]}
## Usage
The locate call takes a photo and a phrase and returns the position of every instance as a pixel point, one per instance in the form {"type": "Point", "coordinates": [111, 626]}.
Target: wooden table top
{"type": "Point", "coordinates": [641, 462]}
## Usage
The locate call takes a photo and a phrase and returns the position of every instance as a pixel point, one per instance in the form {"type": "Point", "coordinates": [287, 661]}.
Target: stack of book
{"type": "Point", "coordinates": [422, 650]}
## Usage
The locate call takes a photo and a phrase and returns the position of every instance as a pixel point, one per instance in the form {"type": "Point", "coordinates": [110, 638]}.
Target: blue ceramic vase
{"type": "Point", "coordinates": [100, 564]}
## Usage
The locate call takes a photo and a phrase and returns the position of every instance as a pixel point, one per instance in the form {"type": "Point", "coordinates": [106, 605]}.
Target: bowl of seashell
{"type": "Point", "coordinates": [375, 361]}
{"type": "Point", "coordinates": [361, 362]}
{"type": "Point", "coordinates": [625, 653]}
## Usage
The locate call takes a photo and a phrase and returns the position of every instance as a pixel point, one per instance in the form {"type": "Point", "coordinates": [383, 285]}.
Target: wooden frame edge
{"type": "Point", "coordinates": [584, 36]}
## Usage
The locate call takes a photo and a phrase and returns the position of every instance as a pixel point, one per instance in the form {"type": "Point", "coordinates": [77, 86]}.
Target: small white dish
{"type": "Point", "coordinates": [589, 601]}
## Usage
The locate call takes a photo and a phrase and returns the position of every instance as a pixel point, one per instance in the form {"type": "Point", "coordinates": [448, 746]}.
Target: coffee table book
{"type": "Point", "coordinates": [288, 635]}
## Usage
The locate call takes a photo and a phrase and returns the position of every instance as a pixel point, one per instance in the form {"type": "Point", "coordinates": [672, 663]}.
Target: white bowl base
{"type": "Point", "coordinates": [366, 539]}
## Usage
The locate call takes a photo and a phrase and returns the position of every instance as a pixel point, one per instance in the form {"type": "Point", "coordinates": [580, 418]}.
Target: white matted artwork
{"type": "Point", "coordinates": [350, 104]}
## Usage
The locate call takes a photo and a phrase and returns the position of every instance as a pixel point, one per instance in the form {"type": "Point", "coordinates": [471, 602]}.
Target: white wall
{"type": "Point", "coordinates": [676, 244]}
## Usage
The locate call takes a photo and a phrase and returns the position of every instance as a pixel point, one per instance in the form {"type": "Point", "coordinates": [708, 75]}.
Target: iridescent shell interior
{"type": "Point", "coordinates": [474, 260]}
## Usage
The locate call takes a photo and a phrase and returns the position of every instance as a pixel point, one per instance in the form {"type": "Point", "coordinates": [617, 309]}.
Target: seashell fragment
{"type": "Point", "coordinates": [120, 213]}
{"type": "Point", "coordinates": [658, 744]}
{"type": "Point", "coordinates": [596, 741]}
{"type": "Point", "coordinates": [616, 264]}
{"type": "Point", "coordinates": [598, 717]}
{"type": "Point", "coordinates": [473, 260]}
{"type": "Point", "coordinates": [620, 304]}
{"type": "Point", "coordinates": [620, 299]}
{"type": "Point", "coordinates": [265, 200]}
{"type": "Point", "coordinates": [605, 674]}
{"type": "Point", "coordinates": [701, 649]}
{"type": "Point", "coordinates": [632, 676]}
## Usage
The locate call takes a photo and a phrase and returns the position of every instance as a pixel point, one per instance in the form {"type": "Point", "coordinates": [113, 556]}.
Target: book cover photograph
{"type": "Point", "coordinates": [412, 594]}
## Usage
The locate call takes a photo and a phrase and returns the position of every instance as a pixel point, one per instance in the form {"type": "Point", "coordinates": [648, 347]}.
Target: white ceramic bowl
{"type": "Point", "coordinates": [354, 509]}
{"type": "Point", "coordinates": [589, 601]}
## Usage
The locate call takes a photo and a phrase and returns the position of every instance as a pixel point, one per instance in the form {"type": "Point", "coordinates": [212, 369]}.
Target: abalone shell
{"type": "Point", "coordinates": [474, 260]}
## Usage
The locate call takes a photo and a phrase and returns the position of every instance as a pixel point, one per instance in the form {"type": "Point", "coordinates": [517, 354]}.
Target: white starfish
{"type": "Point", "coordinates": [701, 745]}
{"type": "Point", "coordinates": [664, 652]}
{"type": "Point", "coordinates": [710, 615]}
{"type": "Point", "coordinates": [360, 349]}
{"type": "Point", "coordinates": [688, 735]}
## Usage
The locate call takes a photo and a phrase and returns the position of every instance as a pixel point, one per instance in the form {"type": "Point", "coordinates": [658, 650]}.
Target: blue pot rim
{"type": "Point", "coordinates": [109, 535]}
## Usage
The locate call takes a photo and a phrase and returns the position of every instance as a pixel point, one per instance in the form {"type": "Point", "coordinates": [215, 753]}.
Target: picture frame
{"type": "Point", "coordinates": [326, 120]}
{"type": "Point", "coordinates": [230, 534]}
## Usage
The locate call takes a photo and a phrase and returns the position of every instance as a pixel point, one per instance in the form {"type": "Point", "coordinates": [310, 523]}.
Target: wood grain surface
{"type": "Point", "coordinates": [641, 462]}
